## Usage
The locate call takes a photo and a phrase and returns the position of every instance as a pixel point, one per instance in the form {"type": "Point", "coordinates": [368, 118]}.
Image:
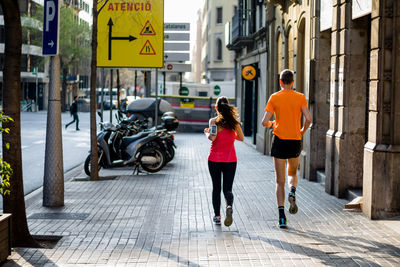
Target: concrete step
{"type": "Point", "coordinates": [354, 195]}
{"type": "Point", "coordinates": [321, 177]}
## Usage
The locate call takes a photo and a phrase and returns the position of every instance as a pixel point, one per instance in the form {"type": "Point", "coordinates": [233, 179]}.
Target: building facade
{"type": "Point", "coordinates": [217, 62]}
{"type": "Point", "coordinates": [345, 56]}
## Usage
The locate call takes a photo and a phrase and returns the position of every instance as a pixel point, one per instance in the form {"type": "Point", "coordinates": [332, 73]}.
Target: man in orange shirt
{"type": "Point", "coordinates": [287, 105]}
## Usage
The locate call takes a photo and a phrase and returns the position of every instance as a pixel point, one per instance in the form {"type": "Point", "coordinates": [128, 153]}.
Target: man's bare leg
{"type": "Point", "coordinates": [280, 175]}
{"type": "Point", "coordinates": [293, 164]}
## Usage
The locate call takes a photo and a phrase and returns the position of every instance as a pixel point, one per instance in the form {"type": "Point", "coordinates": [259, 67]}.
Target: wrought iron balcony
{"type": "Point", "coordinates": [281, 2]}
{"type": "Point", "coordinates": [72, 3]}
{"type": "Point", "coordinates": [243, 28]}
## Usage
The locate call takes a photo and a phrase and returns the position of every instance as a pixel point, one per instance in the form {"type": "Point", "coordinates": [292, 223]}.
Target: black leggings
{"type": "Point", "coordinates": [228, 169]}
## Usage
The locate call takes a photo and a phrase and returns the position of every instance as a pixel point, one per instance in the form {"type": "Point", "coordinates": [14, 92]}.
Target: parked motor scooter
{"type": "Point", "coordinates": [115, 149]}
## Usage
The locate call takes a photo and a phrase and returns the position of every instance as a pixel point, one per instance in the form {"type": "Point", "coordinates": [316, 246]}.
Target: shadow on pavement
{"type": "Point", "coordinates": [329, 257]}
{"type": "Point", "coordinates": [34, 257]}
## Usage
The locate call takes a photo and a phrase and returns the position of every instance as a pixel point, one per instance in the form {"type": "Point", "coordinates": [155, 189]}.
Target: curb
{"type": "Point", "coordinates": [35, 195]}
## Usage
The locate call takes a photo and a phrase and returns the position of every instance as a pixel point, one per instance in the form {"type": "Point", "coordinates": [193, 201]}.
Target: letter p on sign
{"type": "Point", "coordinates": [50, 14]}
{"type": "Point", "coordinates": [51, 26]}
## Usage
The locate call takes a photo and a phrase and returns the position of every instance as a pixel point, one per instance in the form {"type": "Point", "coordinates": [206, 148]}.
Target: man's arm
{"type": "Point", "coordinates": [308, 121]}
{"type": "Point", "coordinates": [266, 120]}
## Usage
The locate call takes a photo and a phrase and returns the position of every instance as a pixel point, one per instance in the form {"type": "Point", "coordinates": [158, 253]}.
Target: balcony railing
{"type": "Point", "coordinates": [73, 3]}
{"type": "Point", "coordinates": [243, 26]}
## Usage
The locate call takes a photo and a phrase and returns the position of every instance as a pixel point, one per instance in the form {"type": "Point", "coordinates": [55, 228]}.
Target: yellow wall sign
{"type": "Point", "coordinates": [130, 33]}
{"type": "Point", "coordinates": [249, 72]}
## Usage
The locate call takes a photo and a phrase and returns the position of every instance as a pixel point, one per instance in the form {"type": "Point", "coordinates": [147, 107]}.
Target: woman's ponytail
{"type": "Point", "coordinates": [227, 115]}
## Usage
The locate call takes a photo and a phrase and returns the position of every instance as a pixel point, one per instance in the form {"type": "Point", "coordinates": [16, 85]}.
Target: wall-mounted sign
{"type": "Point", "coordinates": [176, 57]}
{"type": "Point", "coordinates": [249, 72]}
{"type": "Point", "coordinates": [177, 67]}
{"type": "Point", "coordinates": [217, 90]}
{"type": "Point", "coordinates": [176, 27]}
{"type": "Point", "coordinates": [177, 36]}
{"type": "Point", "coordinates": [183, 91]}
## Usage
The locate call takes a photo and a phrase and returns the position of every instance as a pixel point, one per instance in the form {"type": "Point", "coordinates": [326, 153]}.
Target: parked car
{"type": "Point", "coordinates": [106, 104]}
{"type": "Point", "coordinates": [145, 108]}
{"type": "Point", "coordinates": [126, 101]}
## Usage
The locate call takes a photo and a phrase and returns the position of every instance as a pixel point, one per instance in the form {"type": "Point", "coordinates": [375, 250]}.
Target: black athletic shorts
{"type": "Point", "coordinates": [285, 149]}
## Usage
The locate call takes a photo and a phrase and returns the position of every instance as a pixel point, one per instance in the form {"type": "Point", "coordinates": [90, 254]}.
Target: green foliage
{"type": "Point", "coordinates": [75, 36]}
{"type": "Point", "coordinates": [5, 168]}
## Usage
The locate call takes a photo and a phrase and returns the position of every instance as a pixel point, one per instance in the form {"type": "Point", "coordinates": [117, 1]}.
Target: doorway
{"type": "Point", "coordinates": [250, 108]}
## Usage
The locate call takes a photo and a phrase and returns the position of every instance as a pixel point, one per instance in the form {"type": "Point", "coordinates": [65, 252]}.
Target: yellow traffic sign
{"type": "Point", "coordinates": [130, 33]}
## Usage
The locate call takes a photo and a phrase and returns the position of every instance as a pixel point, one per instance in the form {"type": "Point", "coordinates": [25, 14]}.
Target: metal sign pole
{"type": "Point", "coordinates": [156, 109]}
{"type": "Point", "coordinates": [37, 95]}
{"type": "Point", "coordinates": [53, 181]}
{"type": "Point", "coordinates": [103, 84]}
{"type": "Point", "coordinates": [164, 82]}
{"type": "Point", "coordinates": [111, 86]}
{"type": "Point", "coordinates": [135, 93]}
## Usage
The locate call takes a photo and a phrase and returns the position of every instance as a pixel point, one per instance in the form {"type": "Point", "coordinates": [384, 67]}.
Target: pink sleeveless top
{"type": "Point", "coordinates": [222, 148]}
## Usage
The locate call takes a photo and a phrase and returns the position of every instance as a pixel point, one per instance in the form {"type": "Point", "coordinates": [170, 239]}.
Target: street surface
{"type": "Point", "coordinates": [33, 140]}
{"type": "Point", "coordinates": [165, 219]}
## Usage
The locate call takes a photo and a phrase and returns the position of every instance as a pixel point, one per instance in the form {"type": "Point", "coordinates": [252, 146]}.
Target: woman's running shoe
{"type": "Point", "coordinates": [282, 223]}
{"type": "Point", "coordinates": [292, 203]}
{"type": "Point", "coordinates": [228, 220]}
{"type": "Point", "coordinates": [217, 220]}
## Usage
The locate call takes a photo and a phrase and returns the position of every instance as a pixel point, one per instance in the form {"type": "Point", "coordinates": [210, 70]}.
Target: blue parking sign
{"type": "Point", "coordinates": [51, 27]}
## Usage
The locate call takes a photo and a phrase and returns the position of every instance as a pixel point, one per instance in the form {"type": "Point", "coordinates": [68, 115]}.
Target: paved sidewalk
{"type": "Point", "coordinates": [165, 219]}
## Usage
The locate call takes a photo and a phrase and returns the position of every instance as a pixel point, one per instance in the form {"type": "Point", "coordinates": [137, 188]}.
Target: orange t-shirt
{"type": "Point", "coordinates": [287, 106]}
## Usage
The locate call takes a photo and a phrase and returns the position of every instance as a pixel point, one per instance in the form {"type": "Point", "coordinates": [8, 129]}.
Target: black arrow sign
{"type": "Point", "coordinates": [130, 38]}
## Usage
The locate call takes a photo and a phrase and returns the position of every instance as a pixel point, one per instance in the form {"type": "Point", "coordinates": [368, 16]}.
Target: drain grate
{"type": "Point", "coordinates": [47, 241]}
{"type": "Point", "coordinates": [59, 216]}
{"type": "Point", "coordinates": [87, 179]}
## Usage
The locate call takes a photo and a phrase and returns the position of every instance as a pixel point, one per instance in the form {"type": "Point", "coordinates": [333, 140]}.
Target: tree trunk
{"type": "Point", "coordinates": [14, 202]}
{"type": "Point", "coordinates": [118, 91]}
{"type": "Point", "coordinates": [94, 173]}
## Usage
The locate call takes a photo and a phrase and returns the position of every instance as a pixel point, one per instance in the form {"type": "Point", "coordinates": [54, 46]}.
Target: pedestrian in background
{"type": "Point", "coordinates": [287, 105]}
{"type": "Point", "coordinates": [74, 113]}
{"type": "Point", "coordinates": [223, 130]}
{"type": "Point", "coordinates": [28, 104]}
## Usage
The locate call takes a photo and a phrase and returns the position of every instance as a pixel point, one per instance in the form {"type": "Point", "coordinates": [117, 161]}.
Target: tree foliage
{"type": "Point", "coordinates": [5, 168]}
{"type": "Point", "coordinates": [74, 39]}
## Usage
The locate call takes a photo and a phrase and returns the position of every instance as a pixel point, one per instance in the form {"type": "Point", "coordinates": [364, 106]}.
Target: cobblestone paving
{"type": "Point", "coordinates": [165, 219]}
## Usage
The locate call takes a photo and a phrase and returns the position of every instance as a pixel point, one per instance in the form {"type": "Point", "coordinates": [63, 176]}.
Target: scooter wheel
{"type": "Point", "coordinates": [152, 160]}
{"type": "Point", "coordinates": [88, 164]}
{"type": "Point", "coordinates": [171, 152]}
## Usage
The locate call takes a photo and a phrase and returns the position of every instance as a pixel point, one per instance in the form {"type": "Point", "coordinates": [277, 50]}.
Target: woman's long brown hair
{"type": "Point", "coordinates": [227, 115]}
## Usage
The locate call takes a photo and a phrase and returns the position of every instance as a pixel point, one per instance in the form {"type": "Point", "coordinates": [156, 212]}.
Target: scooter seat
{"type": "Point", "coordinates": [129, 139]}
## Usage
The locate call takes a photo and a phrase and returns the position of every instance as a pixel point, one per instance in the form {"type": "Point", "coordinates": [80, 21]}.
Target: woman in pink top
{"type": "Point", "coordinates": [222, 157]}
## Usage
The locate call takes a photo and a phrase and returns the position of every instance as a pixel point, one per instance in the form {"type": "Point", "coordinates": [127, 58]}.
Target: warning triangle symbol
{"type": "Point", "coordinates": [148, 29]}
{"type": "Point", "coordinates": [147, 49]}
